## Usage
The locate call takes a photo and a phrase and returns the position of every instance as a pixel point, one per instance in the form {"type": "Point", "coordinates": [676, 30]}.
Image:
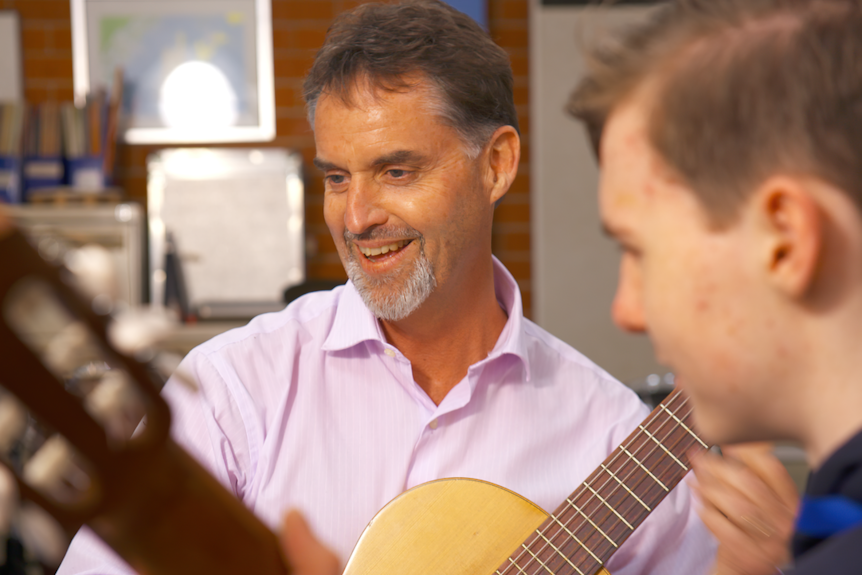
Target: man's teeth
{"type": "Point", "coordinates": [383, 249]}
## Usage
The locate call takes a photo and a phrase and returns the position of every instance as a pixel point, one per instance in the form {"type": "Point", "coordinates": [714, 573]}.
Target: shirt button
{"type": "Point", "coordinates": [433, 424]}
{"type": "Point", "coordinates": [389, 352]}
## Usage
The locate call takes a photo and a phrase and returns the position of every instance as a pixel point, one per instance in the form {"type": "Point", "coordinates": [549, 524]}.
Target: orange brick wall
{"type": "Point", "coordinates": [299, 27]}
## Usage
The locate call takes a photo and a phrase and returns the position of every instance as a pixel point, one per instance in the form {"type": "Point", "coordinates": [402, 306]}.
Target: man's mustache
{"type": "Point", "coordinates": [384, 233]}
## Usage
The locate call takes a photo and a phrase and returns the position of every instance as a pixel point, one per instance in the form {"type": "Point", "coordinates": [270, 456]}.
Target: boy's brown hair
{"type": "Point", "coordinates": [740, 90]}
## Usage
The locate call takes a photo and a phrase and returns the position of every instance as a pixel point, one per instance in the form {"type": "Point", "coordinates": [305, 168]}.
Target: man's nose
{"type": "Point", "coordinates": [363, 206]}
{"type": "Point", "coordinates": [627, 309]}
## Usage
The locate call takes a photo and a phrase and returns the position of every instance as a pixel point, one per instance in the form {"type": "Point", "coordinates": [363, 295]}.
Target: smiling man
{"type": "Point", "coordinates": [423, 366]}
{"type": "Point", "coordinates": [730, 141]}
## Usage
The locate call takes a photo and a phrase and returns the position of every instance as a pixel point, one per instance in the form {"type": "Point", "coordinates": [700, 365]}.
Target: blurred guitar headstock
{"type": "Point", "coordinates": [84, 432]}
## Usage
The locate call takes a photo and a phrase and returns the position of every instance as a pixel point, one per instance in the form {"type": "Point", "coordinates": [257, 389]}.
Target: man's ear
{"type": "Point", "coordinates": [792, 222]}
{"type": "Point", "coordinates": [501, 166]}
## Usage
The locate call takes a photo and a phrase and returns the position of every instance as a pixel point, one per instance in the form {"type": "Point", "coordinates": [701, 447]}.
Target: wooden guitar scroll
{"type": "Point", "coordinates": [142, 494]}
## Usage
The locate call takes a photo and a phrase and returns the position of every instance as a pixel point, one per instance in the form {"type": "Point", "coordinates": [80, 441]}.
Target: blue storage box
{"type": "Point", "coordinates": [42, 172]}
{"type": "Point", "coordinates": [10, 179]}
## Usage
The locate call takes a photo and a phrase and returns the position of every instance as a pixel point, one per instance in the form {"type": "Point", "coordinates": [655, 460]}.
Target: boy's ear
{"type": "Point", "coordinates": [792, 226]}
{"type": "Point", "coordinates": [503, 156]}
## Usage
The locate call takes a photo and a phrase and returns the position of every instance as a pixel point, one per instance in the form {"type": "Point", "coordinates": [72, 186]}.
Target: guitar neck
{"type": "Point", "coordinates": [145, 497]}
{"type": "Point", "coordinates": [588, 527]}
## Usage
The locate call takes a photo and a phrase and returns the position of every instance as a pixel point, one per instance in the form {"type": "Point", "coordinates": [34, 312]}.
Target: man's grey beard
{"type": "Point", "coordinates": [391, 305]}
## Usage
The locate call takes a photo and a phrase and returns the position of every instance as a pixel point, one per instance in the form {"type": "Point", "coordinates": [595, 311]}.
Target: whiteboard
{"type": "Point", "coordinates": [236, 216]}
{"type": "Point", "coordinates": [11, 88]}
{"type": "Point", "coordinates": [574, 264]}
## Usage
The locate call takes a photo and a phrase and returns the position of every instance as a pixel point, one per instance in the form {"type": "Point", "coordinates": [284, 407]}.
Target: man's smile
{"type": "Point", "coordinates": [372, 253]}
{"type": "Point", "coordinates": [378, 257]}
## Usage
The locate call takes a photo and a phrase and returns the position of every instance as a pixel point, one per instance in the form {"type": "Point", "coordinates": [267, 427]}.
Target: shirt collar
{"type": "Point", "coordinates": [512, 340]}
{"type": "Point", "coordinates": [354, 323]}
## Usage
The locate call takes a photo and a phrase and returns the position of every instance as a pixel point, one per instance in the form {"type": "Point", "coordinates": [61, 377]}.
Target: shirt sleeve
{"type": "Point", "coordinates": [207, 424]}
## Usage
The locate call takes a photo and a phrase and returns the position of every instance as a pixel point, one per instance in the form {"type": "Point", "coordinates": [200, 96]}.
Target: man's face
{"type": "Point", "coordinates": [403, 201]}
{"type": "Point", "coordinates": [692, 287]}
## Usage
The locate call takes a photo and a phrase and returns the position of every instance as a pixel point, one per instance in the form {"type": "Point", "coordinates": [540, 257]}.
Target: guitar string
{"type": "Point", "coordinates": [603, 515]}
{"type": "Point", "coordinates": [624, 483]}
{"type": "Point", "coordinates": [617, 454]}
{"type": "Point", "coordinates": [676, 425]}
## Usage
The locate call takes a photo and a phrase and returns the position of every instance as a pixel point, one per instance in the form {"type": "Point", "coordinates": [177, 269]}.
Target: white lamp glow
{"type": "Point", "coordinates": [197, 95]}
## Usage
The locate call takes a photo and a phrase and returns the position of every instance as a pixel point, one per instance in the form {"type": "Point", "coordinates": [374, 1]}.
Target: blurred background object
{"type": "Point", "coordinates": [63, 231]}
{"type": "Point", "coordinates": [226, 230]}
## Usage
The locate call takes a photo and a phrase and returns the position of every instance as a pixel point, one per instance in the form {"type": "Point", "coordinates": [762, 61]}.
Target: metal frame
{"type": "Point", "coordinates": [264, 131]}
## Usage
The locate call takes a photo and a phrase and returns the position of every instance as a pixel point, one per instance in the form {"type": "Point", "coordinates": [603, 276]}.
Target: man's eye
{"type": "Point", "coordinates": [335, 179]}
{"type": "Point", "coordinates": [397, 173]}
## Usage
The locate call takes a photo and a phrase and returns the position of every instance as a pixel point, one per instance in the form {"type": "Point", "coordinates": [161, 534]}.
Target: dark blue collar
{"type": "Point", "coordinates": [828, 515]}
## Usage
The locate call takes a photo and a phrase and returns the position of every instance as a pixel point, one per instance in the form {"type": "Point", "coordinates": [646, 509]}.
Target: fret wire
{"type": "Point", "coordinates": [679, 422]}
{"type": "Point", "coordinates": [520, 556]}
{"type": "Point", "coordinates": [641, 465]}
{"type": "Point", "coordinates": [578, 509]}
{"type": "Point", "coordinates": [624, 486]}
{"type": "Point", "coordinates": [594, 492]}
{"type": "Point", "coordinates": [621, 483]}
{"type": "Point", "coordinates": [563, 555]}
{"type": "Point", "coordinates": [633, 439]}
{"type": "Point", "coordinates": [679, 425]}
{"type": "Point", "coordinates": [660, 444]}
{"type": "Point", "coordinates": [542, 563]}
{"type": "Point", "coordinates": [684, 426]}
{"type": "Point", "coordinates": [608, 505]}
{"type": "Point", "coordinates": [655, 416]}
{"type": "Point", "coordinates": [518, 567]}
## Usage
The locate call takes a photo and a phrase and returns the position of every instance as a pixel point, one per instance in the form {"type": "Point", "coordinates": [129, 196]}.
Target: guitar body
{"type": "Point", "coordinates": [449, 526]}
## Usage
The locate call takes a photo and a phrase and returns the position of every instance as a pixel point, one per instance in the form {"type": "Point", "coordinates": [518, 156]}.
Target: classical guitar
{"type": "Point", "coordinates": [142, 494]}
{"type": "Point", "coordinates": [465, 526]}
{"type": "Point", "coordinates": [165, 514]}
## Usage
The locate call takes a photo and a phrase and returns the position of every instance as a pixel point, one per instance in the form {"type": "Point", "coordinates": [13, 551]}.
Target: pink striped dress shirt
{"type": "Point", "coordinates": [311, 408]}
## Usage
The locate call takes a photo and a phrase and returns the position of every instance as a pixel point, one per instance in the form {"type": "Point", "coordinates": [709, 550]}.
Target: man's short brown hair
{"type": "Point", "coordinates": [387, 43]}
{"type": "Point", "coordinates": [740, 90]}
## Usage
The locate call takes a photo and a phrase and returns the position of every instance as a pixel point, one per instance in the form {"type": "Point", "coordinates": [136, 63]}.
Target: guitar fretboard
{"type": "Point", "coordinates": [586, 529]}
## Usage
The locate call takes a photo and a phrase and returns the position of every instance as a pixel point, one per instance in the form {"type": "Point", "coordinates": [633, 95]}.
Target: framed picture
{"type": "Point", "coordinates": [193, 71]}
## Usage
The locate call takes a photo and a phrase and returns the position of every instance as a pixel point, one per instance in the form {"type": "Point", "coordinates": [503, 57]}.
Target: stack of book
{"type": "Point", "coordinates": [43, 147]}
{"type": "Point", "coordinates": [11, 129]}
{"type": "Point", "coordinates": [89, 137]}
{"type": "Point", "coordinates": [54, 145]}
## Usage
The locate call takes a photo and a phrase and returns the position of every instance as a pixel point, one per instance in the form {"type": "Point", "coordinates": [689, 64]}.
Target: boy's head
{"type": "Point", "coordinates": [729, 134]}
